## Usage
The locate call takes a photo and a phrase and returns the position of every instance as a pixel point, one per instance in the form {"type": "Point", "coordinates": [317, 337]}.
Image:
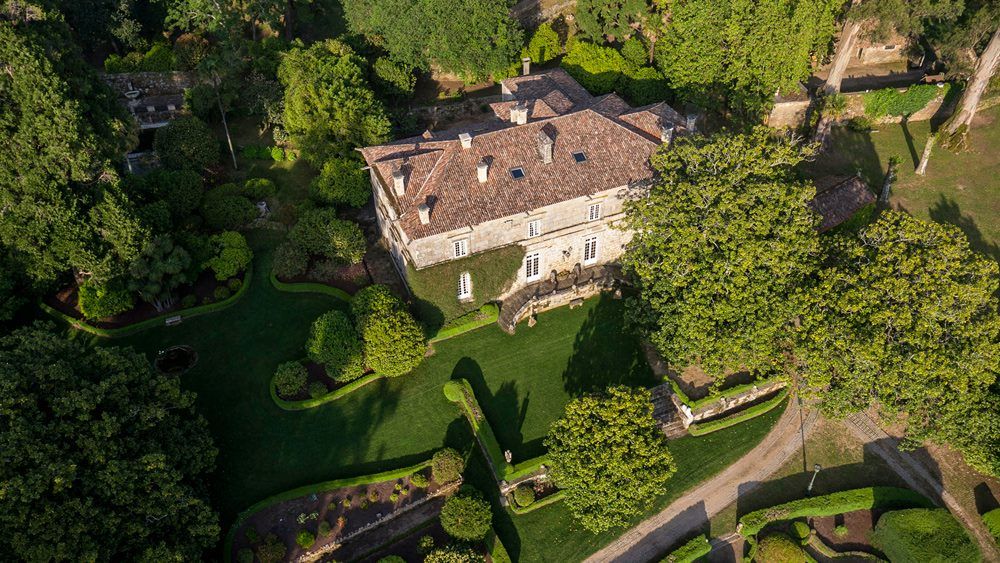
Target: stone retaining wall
{"type": "Point", "coordinates": [724, 404]}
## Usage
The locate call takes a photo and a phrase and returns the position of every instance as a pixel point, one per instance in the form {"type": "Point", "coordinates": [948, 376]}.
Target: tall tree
{"type": "Point", "coordinates": [60, 128]}
{"type": "Point", "coordinates": [903, 317]}
{"type": "Point", "coordinates": [722, 243]}
{"type": "Point", "coordinates": [329, 106]}
{"type": "Point", "coordinates": [610, 457]}
{"type": "Point", "coordinates": [104, 459]}
{"type": "Point", "coordinates": [610, 20]}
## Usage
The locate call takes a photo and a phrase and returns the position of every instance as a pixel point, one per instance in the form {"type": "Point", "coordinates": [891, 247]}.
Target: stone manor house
{"type": "Point", "coordinates": [547, 169]}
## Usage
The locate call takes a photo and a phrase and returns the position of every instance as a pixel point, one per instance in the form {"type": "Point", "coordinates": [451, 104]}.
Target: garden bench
{"type": "Point", "coordinates": [174, 320]}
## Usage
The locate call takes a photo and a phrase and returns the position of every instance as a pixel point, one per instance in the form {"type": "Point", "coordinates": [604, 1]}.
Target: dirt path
{"type": "Point", "coordinates": [920, 479]}
{"type": "Point", "coordinates": [653, 537]}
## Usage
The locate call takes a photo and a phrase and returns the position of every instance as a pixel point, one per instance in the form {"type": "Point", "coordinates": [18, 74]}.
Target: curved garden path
{"type": "Point", "coordinates": [649, 540]}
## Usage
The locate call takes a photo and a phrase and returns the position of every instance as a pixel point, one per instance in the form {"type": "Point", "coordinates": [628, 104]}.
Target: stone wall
{"type": "Point", "coordinates": [150, 83]}
{"type": "Point", "coordinates": [789, 114]}
{"type": "Point", "coordinates": [725, 404]}
{"type": "Point", "coordinates": [792, 114]}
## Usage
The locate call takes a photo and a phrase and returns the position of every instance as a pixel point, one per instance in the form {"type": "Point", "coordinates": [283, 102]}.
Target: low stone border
{"type": "Point", "coordinates": [317, 488]}
{"type": "Point", "coordinates": [702, 428]}
{"type": "Point", "coordinates": [159, 320]}
{"type": "Point", "coordinates": [309, 288]}
{"type": "Point", "coordinates": [551, 499]}
{"type": "Point", "coordinates": [331, 396]}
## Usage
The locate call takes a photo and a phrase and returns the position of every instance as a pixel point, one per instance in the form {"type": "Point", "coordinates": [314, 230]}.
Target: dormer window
{"type": "Point", "coordinates": [579, 157]}
{"type": "Point", "coordinates": [460, 248]}
{"type": "Point", "coordinates": [517, 173]}
{"type": "Point", "coordinates": [594, 212]}
{"type": "Point", "coordinates": [534, 228]}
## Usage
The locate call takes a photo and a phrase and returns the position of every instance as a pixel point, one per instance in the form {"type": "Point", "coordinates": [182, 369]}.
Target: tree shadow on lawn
{"type": "Point", "coordinates": [504, 410]}
{"type": "Point", "coordinates": [605, 353]}
{"type": "Point", "coordinates": [848, 153]}
{"type": "Point", "coordinates": [947, 210]}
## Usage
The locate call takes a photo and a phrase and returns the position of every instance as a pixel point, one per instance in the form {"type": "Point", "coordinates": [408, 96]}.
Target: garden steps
{"type": "Point", "coordinates": [555, 290]}
{"type": "Point", "coordinates": [665, 413]}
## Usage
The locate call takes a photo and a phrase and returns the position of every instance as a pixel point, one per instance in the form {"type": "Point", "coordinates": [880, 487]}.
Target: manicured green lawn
{"type": "Point", "coordinates": [523, 381]}
{"type": "Point", "coordinates": [961, 189]}
{"type": "Point", "coordinates": [551, 534]}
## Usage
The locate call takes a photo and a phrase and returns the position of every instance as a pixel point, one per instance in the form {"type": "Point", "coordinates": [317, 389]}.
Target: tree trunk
{"type": "Point", "coordinates": [225, 125]}
{"type": "Point", "coordinates": [976, 87]}
{"type": "Point", "coordinates": [890, 177]}
{"type": "Point", "coordinates": [843, 56]}
{"type": "Point", "coordinates": [922, 168]}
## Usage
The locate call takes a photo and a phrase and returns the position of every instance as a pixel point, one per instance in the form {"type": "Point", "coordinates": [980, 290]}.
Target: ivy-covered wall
{"type": "Point", "coordinates": [436, 288]}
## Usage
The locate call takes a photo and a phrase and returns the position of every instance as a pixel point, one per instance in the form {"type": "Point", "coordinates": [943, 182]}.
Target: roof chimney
{"type": "Point", "coordinates": [483, 171]}
{"type": "Point", "coordinates": [526, 66]}
{"type": "Point", "coordinates": [545, 147]}
{"type": "Point", "coordinates": [398, 181]}
{"type": "Point", "coordinates": [692, 121]}
{"type": "Point", "coordinates": [466, 140]}
{"type": "Point", "coordinates": [667, 133]}
{"type": "Point", "coordinates": [519, 113]}
{"type": "Point", "coordinates": [425, 213]}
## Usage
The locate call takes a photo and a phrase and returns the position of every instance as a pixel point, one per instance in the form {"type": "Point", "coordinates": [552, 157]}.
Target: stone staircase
{"type": "Point", "coordinates": [665, 412]}
{"type": "Point", "coordinates": [557, 289]}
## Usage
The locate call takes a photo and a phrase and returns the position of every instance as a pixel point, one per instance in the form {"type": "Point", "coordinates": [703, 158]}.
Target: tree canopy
{"type": "Point", "coordinates": [329, 105]}
{"type": "Point", "coordinates": [610, 457]}
{"type": "Point", "coordinates": [722, 244]}
{"type": "Point", "coordinates": [904, 316]}
{"type": "Point", "coordinates": [104, 458]}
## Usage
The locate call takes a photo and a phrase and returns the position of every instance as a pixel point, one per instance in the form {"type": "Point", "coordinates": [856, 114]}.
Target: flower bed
{"type": "Point", "coordinates": [348, 278]}
{"type": "Point", "coordinates": [65, 310]}
{"type": "Point", "coordinates": [329, 512]}
{"type": "Point", "coordinates": [309, 288]}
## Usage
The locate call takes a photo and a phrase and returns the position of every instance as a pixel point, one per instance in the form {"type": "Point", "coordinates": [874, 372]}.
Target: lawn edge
{"type": "Point", "coordinates": [331, 396]}
{"type": "Point", "coordinates": [307, 287]}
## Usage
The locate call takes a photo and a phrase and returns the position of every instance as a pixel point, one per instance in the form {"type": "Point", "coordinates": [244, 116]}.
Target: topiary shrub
{"type": "Point", "coordinates": [333, 342]}
{"type": "Point", "coordinates": [392, 341]}
{"type": "Point", "coordinates": [923, 534]}
{"type": "Point", "coordinates": [992, 521]}
{"type": "Point", "coordinates": [259, 188]}
{"type": "Point", "coordinates": [841, 531]}
{"type": "Point", "coordinates": [221, 293]}
{"type": "Point", "coordinates": [305, 539]}
{"type": "Point", "coordinates": [454, 554]}
{"type": "Point", "coordinates": [271, 550]}
{"type": "Point", "coordinates": [189, 301]}
{"type": "Point", "coordinates": [324, 528]}
{"type": "Point", "coordinates": [453, 391]}
{"type": "Point", "coordinates": [466, 515]}
{"type": "Point", "coordinates": [319, 231]}
{"type": "Point", "coordinates": [277, 154]}
{"type": "Point", "coordinates": [341, 182]}
{"type": "Point", "coordinates": [98, 301]}
{"type": "Point", "coordinates": [234, 284]}
{"type": "Point", "coordinates": [317, 389]}
{"type": "Point", "coordinates": [245, 555]}
{"type": "Point", "coordinates": [186, 143]}
{"type": "Point", "coordinates": [447, 466]}
{"type": "Point", "coordinates": [289, 260]}
{"type": "Point", "coordinates": [290, 378]}
{"type": "Point", "coordinates": [524, 496]}
{"type": "Point", "coordinates": [801, 531]}
{"type": "Point", "coordinates": [232, 255]}
{"type": "Point", "coordinates": [419, 480]}
{"type": "Point", "coordinates": [779, 548]}
{"type": "Point", "coordinates": [425, 544]}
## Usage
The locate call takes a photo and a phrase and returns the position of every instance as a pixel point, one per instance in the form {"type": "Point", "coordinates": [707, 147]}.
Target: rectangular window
{"type": "Point", "coordinates": [461, 248]}
{"type": "Point", "coordinates": [590, 250]}
{"type": "Point", "coordinates": [534, 228]}
{"type": "Point", "coordinates": [531, 269]}
{"type": "Point", "coordinates": [517, 173]}
{"type": "Point", "coordinates": [579, 157]}
{"type": "Point", "coordinates": [594, 212]}
{"type": "Point", "coordinates": [465, 286]}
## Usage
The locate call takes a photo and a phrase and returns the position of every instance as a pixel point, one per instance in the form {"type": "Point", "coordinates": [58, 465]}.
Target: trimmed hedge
{"type": "Point", "coordinates": [498, 553]}
{"type": "Point", "coordinates": [310, 288]}
{"type": "Point", "coordinates": [832, 504]}
{"type": "Point", "coordinates": [992, 521]}
{"type": "Point", "coordinates": [741, 416]}
{"type": "Point", "coordinates": [315, 488]}
{"type": "Point", "coordinates": [526, 467]}
{"type": "Point", "coordinates": [140, 326]}
{"type": "Point", "coordinates": [728, 392]}
{"type": "Point", "coordinates": [692, 550]}
{"type": "Point", "coordinates": [436, 287]}
{"type": "Point", "coordinates": [540, 503]}
{"type": "Point", "coordinates": [331, 396]}
{"type": "Point", "coordinates": [485, 315]}
{"type": "Point", "coordinates": [459, 390]}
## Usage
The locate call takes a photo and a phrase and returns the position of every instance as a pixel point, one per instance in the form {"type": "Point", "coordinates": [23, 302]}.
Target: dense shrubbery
{"type": "Point", "coordinates": [305, 539]}
{"type": "Point", "coordinates": [544, 44]}
{"type": "Point", "coordinates": [187, 143]}
{"type": "Point", "coordinates": [159, 58]}
{"type": "Point", "coordinates": [97, 301]}
{"type": "Point", "coordinates": [257, 189]}
{"type": "Point", "coordinates": [466, 515]}
{"type": "Point", "coordinates": [921, 534]}
{"type": "Point", "coordinates": [602, 69]}
{"type": "Point", "coordinates": [394, 79]}
{"type": "Point", "coordinates": [524, 496]}
{"type": "Point", "coordinates": [272, 550]}
{"type": "Point", "coordinates": [182, 190]}
{"type": "Point", "coordinates": [418, 480]}
{"type": "Point", "coordinates": [333, 342]}
{"type": "Point", "coordinates": [436, 288]}
{"type": "Point", "coordinates": [289, 260]}
{"type": "Point", "coordinates": [779, 548]}
{"type": "Point", "coordinates": [320, 232]}
{"type": "Point", "coordinates": [225, 208]}
{"type": "Point", "coordinates": [992, 521]}
{"type": "Point", "coordinates": [341, 182]}
{"type": "Point", "coordinates": [454, 554]}
{"type": "Point", "coordinates": [447, 466]}
{"type": "Point", "coordinates": [892, 102]}
{"type": "Point", "coordinates": [232, 255]}
{"type": "Point", "coordinates": [290, 378]}
{"type": "Point", "coordinates": [830, 505]}
{"type": "Point", "coordinates": [393, 341]}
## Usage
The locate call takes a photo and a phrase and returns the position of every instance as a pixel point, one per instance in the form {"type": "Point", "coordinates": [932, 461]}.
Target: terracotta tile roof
{"type": "Point", "coordinates": [616, 138]}
{"type": "Point", "coordinates": [838, 199]}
